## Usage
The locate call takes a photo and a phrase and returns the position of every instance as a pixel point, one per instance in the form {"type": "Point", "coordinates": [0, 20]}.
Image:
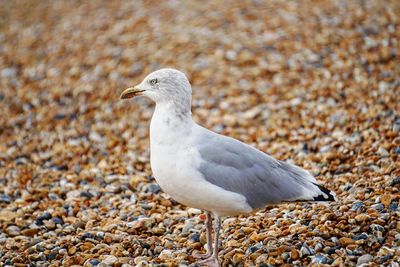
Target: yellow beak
{"type": "Point", "coordinates": [130, 92]}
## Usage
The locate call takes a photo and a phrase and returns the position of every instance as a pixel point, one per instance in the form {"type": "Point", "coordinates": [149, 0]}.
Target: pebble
{"type": "Point", "coordinates": [320, 259]}
{"type": "Point", "coordinates": [364, 259]}
{"type": "Point", "coordinates": [92, 263]}
{"type": "Point", "coordinates": [5, 199]}
{"type": "Point", "coordinates": [377, 228]}
{"type": "Point", "coordinates": [306, 251]}
{"type": "Point", "coordinates": [357, 206]}
{"type": "Point", "coordinates": [187, 227]}
{"type": "Point", "coordinates": [9, 73]}
{"type": "Point", "coordinates": [153, 188]}
{"type": "Point", "coordinates": [362, 236]}
{"type": "Point", "coordinates": [383, 152]}
{"type": "Point", "coordinates": [58, 220]}
{"type": "Point", "coordinates": [395, 181]}
{"type": "Point", "coordinates": [378, 206]}
{"type": "Point", "coordinates": [109, 260]}
{"type": "Point", "coordinates": [294, 254]}
{"type": "Point", "coordinates": [30, 231]}
{"type": "Point", "coordinates": [396, 126]}
{"type": "Point", "coordinates": [255, 248]}
{"type": "Point", "coordinates": [87, 235]}
{"type": "Point", "coordinates": [13, 230]}
{"type": "Point", "coordinates": [362, 217]}
{"type": "Point", "coordinates": [50, 224]}
{"type": "Point", "coordinates": [195, 237]}
{"type": "Point", "coordinates": [165, 254]}
{"type": "Point", "coordinates": [394, 205]}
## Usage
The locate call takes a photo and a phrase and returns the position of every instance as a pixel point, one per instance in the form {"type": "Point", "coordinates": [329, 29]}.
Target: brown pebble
{"type": "Point", "coordinates": [294, 254]}
{"type": "Point", "coordinates": [30, 231]}
{"type": "Point", "coordinates": [386, 200]}
{"type": "Point", "coordinates": [346, 241]}
{"type": "Point", "coordinates": [361, 217]}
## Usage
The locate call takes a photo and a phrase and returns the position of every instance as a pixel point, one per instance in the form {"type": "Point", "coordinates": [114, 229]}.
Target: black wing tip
{"type": "Point", "coordinates": [327, 195]}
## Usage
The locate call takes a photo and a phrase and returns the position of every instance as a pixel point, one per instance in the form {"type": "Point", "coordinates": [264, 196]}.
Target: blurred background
{"type": "Point", "coordinates": [314, 82]}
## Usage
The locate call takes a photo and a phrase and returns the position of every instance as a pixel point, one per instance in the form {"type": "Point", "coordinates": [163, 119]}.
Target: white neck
{"type": "Point", "coordinates": [168, 123]}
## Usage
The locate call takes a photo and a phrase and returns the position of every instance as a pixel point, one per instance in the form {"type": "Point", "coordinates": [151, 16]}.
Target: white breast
{"type": "Point", "coordinates": [175, 162]}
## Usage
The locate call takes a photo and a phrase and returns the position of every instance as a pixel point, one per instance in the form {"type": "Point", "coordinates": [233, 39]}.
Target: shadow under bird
{"type": "Point", "coordinates": [209, 171]}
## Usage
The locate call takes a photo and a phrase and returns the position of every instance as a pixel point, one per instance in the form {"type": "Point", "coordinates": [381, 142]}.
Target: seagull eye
{"type": "Point", "coordinates": [153, 82]}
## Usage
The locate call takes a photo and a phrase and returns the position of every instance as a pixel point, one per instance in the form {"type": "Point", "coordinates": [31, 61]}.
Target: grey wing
{"type": "Point", "coordinates": [240, 168]}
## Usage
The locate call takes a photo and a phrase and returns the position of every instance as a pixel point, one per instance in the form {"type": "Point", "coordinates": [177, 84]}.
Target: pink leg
{"type": "Point", "coordinates": [212, 261]}
{"type": "Point", "coordinates": [209, 241]}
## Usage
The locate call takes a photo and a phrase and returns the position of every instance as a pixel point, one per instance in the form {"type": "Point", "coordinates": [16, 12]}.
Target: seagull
{"type": "Point", "coordinates": [208, 171]}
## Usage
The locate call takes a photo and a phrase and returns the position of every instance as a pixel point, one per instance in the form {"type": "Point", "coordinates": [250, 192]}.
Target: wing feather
{"type": "Point", "coordinates": [240, 168]}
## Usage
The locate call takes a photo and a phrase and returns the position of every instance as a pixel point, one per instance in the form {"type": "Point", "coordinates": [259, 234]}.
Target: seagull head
{"type": "Point", "coordinates": [164, 85]}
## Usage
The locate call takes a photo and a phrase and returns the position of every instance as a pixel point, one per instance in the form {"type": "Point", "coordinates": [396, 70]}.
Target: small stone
{"type": "Point", "coordinates": [294, 254]}
{"type": "Point", "coordinates": [383, 259]}
{"type": "Point", "coordinates": [364, 259]}
{"type": "Point", "coordinates": [58, 220]}
{"type": "Point", "coordinates": [13, 230]}
{"type": "Point", "coordinates": [5, 199]}
{"type": "Point", "coordinates": [320, 259]}
{"type": "Point", "coordinates": [112, 188]}
{"type": "Point", "coordinates": [325, 149]}
{"type": "Point", "coordinates": [86, 194]}
{"type": "Point", "coordinates": [378, 206]}
{"type": "Point", "coordinates": [92, 263]}
{"type": "Point", "coordinates": [377, 228]}
{"type": "Point", "coordinates": [146, 206]}
{"type": "Point", "coordinates": [357, 206]}
{"type": "Point", "coordinates": [186, 228]}
{"type": "Point", "coordinates": [394, 205]}
{"type": "Point", "coordinates": [256, 247]}
{"type": "Point", "coordinates": [45, 216]}
{"type": "Point", "coordinates": [395, 181]}
{"type": "Point", "coordinates": [346, 241]}
{"type": "Point", "coordinates": [9, 73]}
{"type": "Point", "coordinates": [111, 178]}
{"type": "Point", "coordinates": [362, 217]}
{"type": "Point", "coordinates": [337, 262]}
{"type": "Point", "coordinates": [195, 237]}
{"type": "Point", "coordinates": [318, 247]}
{"type": "Point", "coordinates": [7, 215]}
{"type": "Point", "coordinates": [362, 236]}
{"type": "Point", "coordinates": [30, 231]}
{"type": "Point", "coordinates": [87, 235]}
{"type": "Point", "coordinates": [108, 238]}
{"type": "Point", "coordinates": [238, 258]}
{"type": "Point", "coordinates": [49, 224]}
{"type": "Point", "coordinates": [262, 259]}
{"type": "Point", "coordinates": [306, 251]}
{"type": "Point", "coordinates": [147, 222]}
{"type": "Point", "coordinates": [396, 126]}
{"type": "Point", "coordinates": [233, 243]}
{"type": "Point", "coordinates": [386, 200]}
{"type": "Point", "coordinates": [52, 255]}
{"type": "Point", "coordinates": [165, 254]}
{"type": "Point", "coordinates": [230, 55]}
{"type": "Point", "coordinates": [109, 260]}
{"type": "Point", "coordinates": [135, 180]}
{"type": "Point", "coordinates": [72, 250]}
{"type": "Point", "coordinates": [285, 256]}
{"type": "Point", "coordinates": [383, 152]}
{"type": "Point", "coordinates": [100, 235]}
{"type": "Point", "coordinates": [153, 188]}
